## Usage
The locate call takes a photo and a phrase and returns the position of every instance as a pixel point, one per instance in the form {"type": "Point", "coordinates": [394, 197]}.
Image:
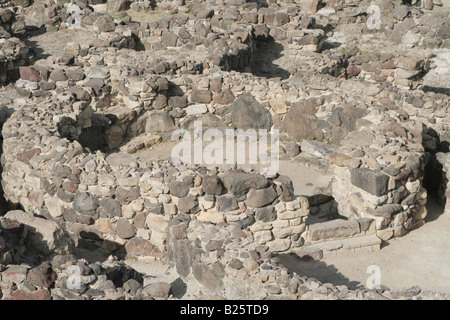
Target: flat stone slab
{"type": "Point", "coordinates": [342, 244]}
{"type": "Point", "coordinates": [318, 149]}
{"type": "Point", "coordinates": [120, 159]}
{"type": "Point", "coordinates": [333, 229]}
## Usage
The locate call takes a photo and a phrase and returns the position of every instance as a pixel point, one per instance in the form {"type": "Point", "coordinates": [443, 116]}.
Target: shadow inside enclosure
{"type": "Point", "coordinates": [319, 270]}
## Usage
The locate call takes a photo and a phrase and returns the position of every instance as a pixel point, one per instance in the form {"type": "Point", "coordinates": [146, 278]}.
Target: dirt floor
{"type": "Point", "coordinates": [420, 258]}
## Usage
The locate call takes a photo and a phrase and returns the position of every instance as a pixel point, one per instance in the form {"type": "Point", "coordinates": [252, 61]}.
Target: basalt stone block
{"type": "Point", "coordinates": [386, 211]}
{"type": "Point", "coordinates": [248, 113]}
{"type": "Point", "coordinates": [156, 208]}
{"type": "Point", "coordinates": [239, 183]}
{"type": "Point", "coordinates": [204, 275]}
{"type": "Point", "coordinates": [125, 230]}
{"type": "Point", "coordinates": [111, 206]}
{"type": "Point", "coordinates": [126, 195]}
{"type": "Point", "coordinates": [226, 203]}
{"type": "Point", "coordinates": [224, 97]}
{"type": "Point", "coordinates": [158, 290]}
{"type": "Point", "coordinates": [301, 121]}
{"type": "Point", "coordinates": [201, 96]}
{"type": "Point", "coordinates": [141, 247]}
{"type": "Point", "coordinates": [183, 256]}
{"type": "Point", "coordinates": [373, 182]}
{"type": "Point", "coordinates": [333, 229]}
{"type": "Point", "coordinates": [41, 294]}
{"type": "Point", "coordinates": [266, 214]}
{"type": "Point", "coordinates": [178, 189]}
{"type": "Point", "coordinates": [188, 204]}
{"type": "Point", "coordinates": [42, 276]}
{"type": "Point", "coordinates": [30, 74]}
{"type": "Point", "coordinates": [212, 185]}
{"type": "Point", "coordinates": [260, 198]}
{"type": "Point", "coordinates": [178, 102]}
{"type": "Point", "coordinates": [119, 5]}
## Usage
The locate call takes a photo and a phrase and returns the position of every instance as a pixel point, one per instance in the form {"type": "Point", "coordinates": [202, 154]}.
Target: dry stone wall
{"type": "Point", "coordinates": [104, 112]}
{"type": "Point", "coordinates": [126, 200]}
{"type": "Point", "coordinates": [68, 151]}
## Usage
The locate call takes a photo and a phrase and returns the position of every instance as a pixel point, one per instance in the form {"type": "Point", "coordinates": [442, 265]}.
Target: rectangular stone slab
{"type": "Point", "coordinates": [333, 229]}
{"type": "Point", "coordinates": [373, 182]}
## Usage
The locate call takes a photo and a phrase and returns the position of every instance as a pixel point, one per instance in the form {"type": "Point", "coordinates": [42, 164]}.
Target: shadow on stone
{"type": "Point", "coordinates": [179, 288]}
{"type": "Point", "coordinates": [319, 270]}
{"type": "Point", "coordinates": [263, 64]}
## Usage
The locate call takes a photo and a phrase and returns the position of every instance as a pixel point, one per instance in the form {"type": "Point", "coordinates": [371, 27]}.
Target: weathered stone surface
{"type": "Point", "coordinates": [311, 252]}
{"type": "Point", "coordinates": [386, 210]}
{"type": "Point", "coordinates": [183, 256]}
{"type": "Point", "coordinates": [127, 195]}
{"type": "Point", "coordinates": [261, 197]}
{"type": "Point", "coordinates": [247, 113]}
{"type": "Point", "coordinates": [158, 290]}
{"type": "Point", "coordinates": [224, 97]}
{"type": "Point", "coordinates": [240, 183]}
{"type": "Point", "coordinates": [41, 294]}
{"type": "Point", "coordinates": [111, 207]}
{"type": "Point", "coordinates": [119, 5]}
{"type": "Point", "coordinates": [226, 203]}
{"type": "Point", "coordinates": [375, 183]}
{"type": "Point", "coordinates": [141, 247]}
{"type": "Point", "coordinates": [301, 121]}
{"type": "Point", "coordinates": [42, 276]}
{"type": "Point", "coordinates": [201, 96]}
{"type": "Point", "coordinates": [206, 277]}
{"type": "Point", "coordinates": [178, 102]}
{"type": "Point", "coordinates": [266, 214]}
{"type": "Point", "coordinates": [400, 12]}
{"type": "Point", "coordinates": [44, 235]}
{"type": "Point", "coordinates": [159, 122]}
{"type": "Point", "coordinates": [85, 203]}
{"type": "Point", "coordinates": [212, 185]}
{"type": "Point", "coordinates": [29, 74]}
{"type": "Point", "coordinates": [125, 230]}
{"type": "Point", "coordinates": [333, 229]}
{"type": "Point", "coordinates": [27, 155]}
{"type": "Point", "coordinates": [178, 189]}
{"type": "Point", "coordinates": [188, 204]}
{"type": "Point", "coordinates": [318, 149]}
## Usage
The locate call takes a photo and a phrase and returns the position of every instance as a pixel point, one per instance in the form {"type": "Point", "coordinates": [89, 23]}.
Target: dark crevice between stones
{"type": "Point", "coordinates": [265, 52]}
{"type": "Point", "coordinates": [92, 138]}
{"type": "Point", "coordinates": [256, 57]}
{"type": "Point", "coordinates": [322, 208]}
{"type": "Point", "coordinates": [434, 178]}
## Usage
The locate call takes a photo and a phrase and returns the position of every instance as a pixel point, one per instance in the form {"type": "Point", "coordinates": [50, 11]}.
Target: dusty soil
{"type": "Point", "coordinates": [420, 258]}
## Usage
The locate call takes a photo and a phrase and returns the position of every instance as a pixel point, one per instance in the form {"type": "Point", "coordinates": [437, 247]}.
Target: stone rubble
{"type": "Point", "coordinates": [70, 146]}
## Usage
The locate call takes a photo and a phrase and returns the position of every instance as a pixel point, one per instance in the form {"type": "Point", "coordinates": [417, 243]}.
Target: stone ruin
{"type": "Point", "coordinates": [74, 181]}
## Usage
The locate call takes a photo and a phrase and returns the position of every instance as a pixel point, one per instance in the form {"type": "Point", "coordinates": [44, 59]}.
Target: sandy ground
{"type": "Point", "coordinates": [420, 258]}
